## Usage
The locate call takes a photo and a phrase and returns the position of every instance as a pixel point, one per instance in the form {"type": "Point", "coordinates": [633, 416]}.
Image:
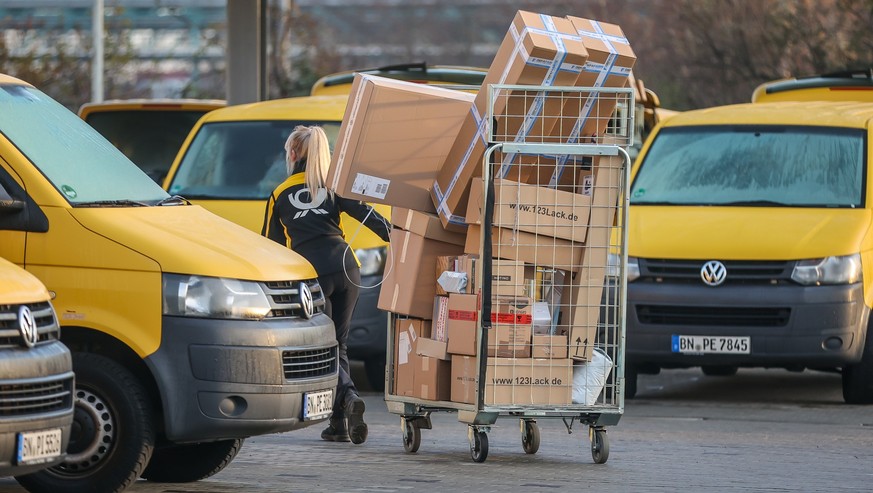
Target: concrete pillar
{"type": "Point", "coordinates": [246, 51]}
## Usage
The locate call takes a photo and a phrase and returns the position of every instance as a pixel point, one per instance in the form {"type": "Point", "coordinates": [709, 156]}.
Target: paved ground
{"type": "Point", "coordinates": [763, 430]}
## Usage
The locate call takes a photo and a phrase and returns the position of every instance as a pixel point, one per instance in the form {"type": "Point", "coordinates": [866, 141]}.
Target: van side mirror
{"type": "Point", "coordinates": [8, 204]}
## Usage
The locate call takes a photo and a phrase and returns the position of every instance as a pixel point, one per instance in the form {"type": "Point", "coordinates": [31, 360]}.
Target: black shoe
{"type": "Point", "coordinates": [336, 431]}
{"type": "Point", "coordinates": [355, 414]}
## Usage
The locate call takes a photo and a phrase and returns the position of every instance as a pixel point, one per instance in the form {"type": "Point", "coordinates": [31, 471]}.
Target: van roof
{"type": "Point", "coordinates": [157, 104]}
{"type": "Point", "coordinates": [410, 72]}
{"type": "Point", "coordinates": [300, 108]}
{"type": "Point", "coordinates": [847, 85]}
{"type": "Point", "coordinates": [8, 79]}
{"type": "Point", "coordinates": [817, 113]}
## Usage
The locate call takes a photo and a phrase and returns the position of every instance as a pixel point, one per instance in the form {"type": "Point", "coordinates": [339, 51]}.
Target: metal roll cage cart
{"type": "Point", "coordinates": [602, 251]}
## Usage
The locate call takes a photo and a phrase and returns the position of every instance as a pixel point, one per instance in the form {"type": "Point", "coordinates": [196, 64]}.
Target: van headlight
{"type": "Point", "coordinates": [372, 260]}
{"type": "Point", "coordinates": [829, 270]}
{"type": "Point", "coordinates": [213, 297]}
{"type": "Point", "coordinates": [613, 267]}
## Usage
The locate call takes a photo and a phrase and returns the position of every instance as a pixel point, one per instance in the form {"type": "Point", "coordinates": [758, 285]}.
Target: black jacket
{"type": "Point", "coordinates": [314, 231]}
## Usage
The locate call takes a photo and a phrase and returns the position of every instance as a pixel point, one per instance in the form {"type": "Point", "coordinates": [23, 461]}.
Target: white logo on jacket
{"type": "Point", "coordinates": [306, 207]}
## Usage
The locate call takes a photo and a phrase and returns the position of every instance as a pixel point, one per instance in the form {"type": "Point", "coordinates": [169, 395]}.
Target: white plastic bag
{"type": "Point", "coordinates": [589, 378]}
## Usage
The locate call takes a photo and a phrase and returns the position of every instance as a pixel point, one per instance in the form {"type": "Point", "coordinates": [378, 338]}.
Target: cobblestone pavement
{"type": "Point", "coordinates": [762, 430]}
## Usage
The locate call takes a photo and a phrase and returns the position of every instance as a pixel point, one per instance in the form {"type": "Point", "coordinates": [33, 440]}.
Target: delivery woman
{"type": "Point", "coordinates": [303, 215]}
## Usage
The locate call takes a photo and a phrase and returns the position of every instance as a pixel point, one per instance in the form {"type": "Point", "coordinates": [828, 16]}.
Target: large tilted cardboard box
{"type": "Point", "coordinates": [409, 284]}
{"type": "Point", "coordinates": [508, 381]}
{"type": "Point", "coordinates": [394, 138]}
{"type": "Point", "coordinates": [537, 50]}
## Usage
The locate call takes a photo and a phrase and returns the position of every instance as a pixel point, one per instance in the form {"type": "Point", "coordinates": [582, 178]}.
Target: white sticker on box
{"type": "Point", "coordinates": [370, 186]}
{"type": "Point", "coordinates": [587, 184]}
{"type": "Point", "coordinates": [404, 347]}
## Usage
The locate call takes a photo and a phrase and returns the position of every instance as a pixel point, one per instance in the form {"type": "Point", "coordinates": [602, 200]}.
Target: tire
{"type": "Point", "coordinates": [112, 436]}
{"type": "Point", "coordinates": [858, 378]}
{"type": "Point", "coordinates": [630, 382]}
{"type": "Point", "coordinates": [190, 462]}
{"type": "Point", "coordinates": [375, 370]}
{"type": "Point", "coordinates": [719, 371]}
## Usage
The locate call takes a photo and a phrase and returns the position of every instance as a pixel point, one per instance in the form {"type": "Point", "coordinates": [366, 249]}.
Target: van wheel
{"type": "Point", "coordinates": [112, 435]}
{"type": "Point", "coordinates": [858, 378]}
{"type": "Point", "coordinates": [190, 462]}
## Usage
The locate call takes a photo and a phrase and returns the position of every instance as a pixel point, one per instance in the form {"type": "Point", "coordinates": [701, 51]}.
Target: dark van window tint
{"type": "Point", "coordinates": [150, 139]}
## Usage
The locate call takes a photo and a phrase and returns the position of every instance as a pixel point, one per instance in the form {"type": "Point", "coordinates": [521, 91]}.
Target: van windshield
{"type": "Point", "coordinates": [238, 160]}
{"type": "Point", "coordinates": [77, 160]}
{"type": "Point", "coordinates": [782, 166]}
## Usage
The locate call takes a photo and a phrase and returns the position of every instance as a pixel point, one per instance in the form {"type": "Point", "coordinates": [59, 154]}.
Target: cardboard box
{"type": "Point", "coordinates": [431, 348]}
{"type": "Point", "coordinates": [424, 224]}
{"type": "Point", "coordinates": [548, 346]}
{"type": "Point", "coordinates": [529, 381]}
{"type": "Point", "coordinates": [440, 318]}
{"type": "Point", "coordinates": [583, 296]}
{"type": "Point", "coordinates": [528, 247]}
{"type": "Point", "coordinates": [407, 332]}
{"type": "Point", "coordinates": [409, 284]}
{"type": "Point", "coordinates": [510, 334]}
{"type": "Point", "coordinates": [395, 136]}
{"type": "Point", "coordinates": [609, 64]}
{"type": "Point", "coordinates": [464, 378]}
{"type": "Point", "coordinates": [444, 263]}
{"type": "Point", "coordinates": [433, 379]}
{"type": "Point", "coordinates": [534, 209]}
{"type": "Point", "coordinates": [514, 381]}
{"type": "Point", "coordinates": [542, 318]}
{"type": "Point", "coordinates": [510, 278]}
{"type": "Point", "coordinates": [537, 50]}
{"type": "Point", "coordinates": [463, 323]}
{"type": "Point", "coordinates": [468, 264]}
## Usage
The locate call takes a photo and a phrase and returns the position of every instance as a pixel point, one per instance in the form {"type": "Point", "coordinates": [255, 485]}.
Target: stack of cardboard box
{"type": "Point", "coordinates": [420, 149]}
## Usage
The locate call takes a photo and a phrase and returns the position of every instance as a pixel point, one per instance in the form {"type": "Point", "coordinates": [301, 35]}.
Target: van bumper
{"type": "Point", "coordinates": [47, 366]}
{"type": "Point", "coordinates": [368, 336]}
{"type": "Point", "coordinates": [222, 379]}
{"type": "Point", "coordinates": [788, 325]}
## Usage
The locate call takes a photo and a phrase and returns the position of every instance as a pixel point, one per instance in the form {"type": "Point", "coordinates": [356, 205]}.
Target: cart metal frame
{"type": "Point", "coordinates": [414, 412]}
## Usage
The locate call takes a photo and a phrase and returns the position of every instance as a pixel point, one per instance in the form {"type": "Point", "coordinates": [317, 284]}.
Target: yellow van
{"type": "Point", "coordinates": [36, 373]}
{"type": "Point", "coordinates": [750, 243]}
{"type": "Point", "coordinates": [234, 158]}
{"type": "Point", "coordinates": [188, 333]}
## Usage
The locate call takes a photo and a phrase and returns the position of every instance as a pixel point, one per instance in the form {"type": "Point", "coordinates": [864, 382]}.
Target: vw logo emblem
{"type": "Point", "coordinates": [27, 326]}
{"type": "Point", "coordinates": [713, 273]}
{"type": "Point", "coordinates": [306, 300]}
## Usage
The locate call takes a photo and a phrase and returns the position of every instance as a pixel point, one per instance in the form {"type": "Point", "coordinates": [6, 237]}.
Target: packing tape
{"type": "Point", "coordinates": [405, 247]}
{"type": "Point", "coordinates": [408, 222]}
{"type": "Point", "coordinates": [395, 296]}
{"type": "Point", "coordinates": [481, 123]}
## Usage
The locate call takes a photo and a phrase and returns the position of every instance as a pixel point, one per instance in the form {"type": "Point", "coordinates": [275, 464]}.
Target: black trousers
{"type": "Point", "coordinates": [341, 296]}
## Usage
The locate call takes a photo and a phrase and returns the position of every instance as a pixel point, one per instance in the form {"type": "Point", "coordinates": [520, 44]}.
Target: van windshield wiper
{"type": "Point", "coordinates": [174, 200]}
{"type": "Point", "coordinates": [112, 203]}
{"type": "Point", "coordinates": [760, 203]}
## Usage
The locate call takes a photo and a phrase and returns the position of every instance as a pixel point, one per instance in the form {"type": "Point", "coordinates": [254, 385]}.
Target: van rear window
{"type": "Point", "coordinates": [238, 160]}
{"type": "Point", "coordinates": [766, 166]}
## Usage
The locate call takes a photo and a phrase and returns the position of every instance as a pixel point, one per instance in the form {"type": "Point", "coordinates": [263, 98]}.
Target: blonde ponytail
{"type": "Point", "coordinates": [311, 145]}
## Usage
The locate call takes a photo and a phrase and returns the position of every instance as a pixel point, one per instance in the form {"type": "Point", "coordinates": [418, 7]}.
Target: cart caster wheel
{"type": "Point", "coordinates": [411, 436]}
{"type": "Point", "coordinates": [530, 436]}
{"type": "Point", "coordinates": [599, 445]}
{"type": "Point", "coordinates": [479, 446]}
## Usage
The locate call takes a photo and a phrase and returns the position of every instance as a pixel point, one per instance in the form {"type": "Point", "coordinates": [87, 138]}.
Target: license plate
{"type": "Point", "coordinates": [35, 447]}
{"type": "Point", "coordinates": [317, 405]}
{"type": "Point", "coordinates": [711, 344]}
